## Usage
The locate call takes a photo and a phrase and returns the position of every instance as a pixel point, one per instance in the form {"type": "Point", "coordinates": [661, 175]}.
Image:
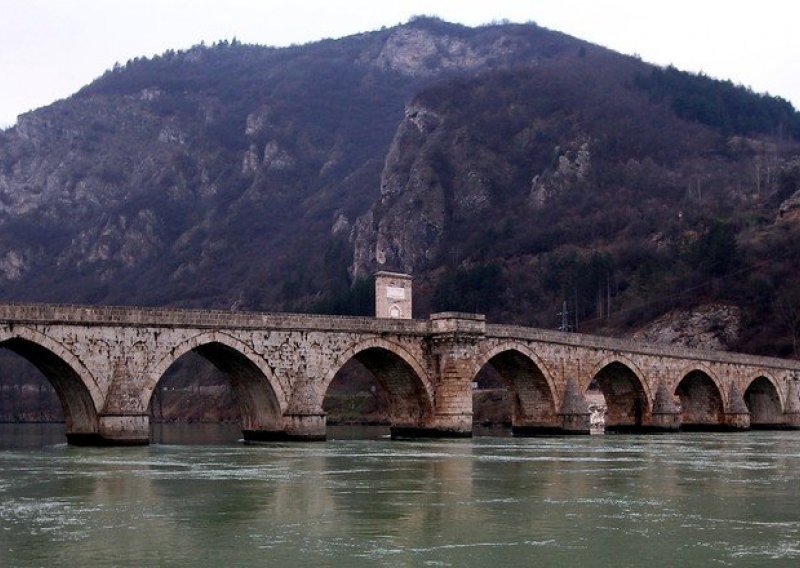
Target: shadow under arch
{"type": "Point", "coordinates": [409, 390]}
{"type": "Point", "coordinates": [626, 393]}
{"type": "Point", "coordinates": [701, 400]}
{"type": "Point", "coordinates": [76, 388]}
{"type": "Point", "coordinates": [260, 396]}
{"type": "Point", "coordinates": [765, 403]}
{"type": "Point", "coordinates": [533, 393]}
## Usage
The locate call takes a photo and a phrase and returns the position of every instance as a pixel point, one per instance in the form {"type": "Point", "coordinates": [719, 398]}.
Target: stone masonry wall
{"type": "Point", "coordinates": [113, 358]}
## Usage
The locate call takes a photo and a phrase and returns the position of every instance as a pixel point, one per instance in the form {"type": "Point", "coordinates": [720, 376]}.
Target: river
{"type": "Point", "coordinates": [690, 499]}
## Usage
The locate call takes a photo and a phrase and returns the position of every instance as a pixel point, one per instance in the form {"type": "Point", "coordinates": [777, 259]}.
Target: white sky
{"type": "Point", "coordinates": [51, 48]}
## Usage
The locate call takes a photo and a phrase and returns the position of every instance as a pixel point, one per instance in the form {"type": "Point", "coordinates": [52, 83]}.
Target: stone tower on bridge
{"type": "Point", "coordinates": [393, 295]}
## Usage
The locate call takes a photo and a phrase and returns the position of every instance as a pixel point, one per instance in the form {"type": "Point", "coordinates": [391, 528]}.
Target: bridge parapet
{"type": "Point", "coordinates": [636, 347]}
{"type": "Point", "coordinates": [201, 319]}
{"type": "Point", "coordinates": [458, 323]}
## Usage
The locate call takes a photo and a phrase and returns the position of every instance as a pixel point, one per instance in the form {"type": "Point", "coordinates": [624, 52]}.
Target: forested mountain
{"type": "Point", "coordinates": [514, 170]}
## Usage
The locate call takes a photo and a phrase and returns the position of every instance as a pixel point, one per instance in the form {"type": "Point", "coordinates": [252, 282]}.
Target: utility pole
{"type": "Point", "coordinates": [564, 315]}
{"type": "Point", "coordinates": [576, 308]}
{"type": "Point", "coordinates": [454, 257]}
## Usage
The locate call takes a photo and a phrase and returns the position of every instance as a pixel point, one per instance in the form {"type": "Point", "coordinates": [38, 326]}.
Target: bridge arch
{"type": "Point", "coordinates": [764, 400]}
{"type": "Point", "coordinates": [702, 398]}
{"type": "Point", "coordinates": [409, 388]}
{"type": "Point", "coordinates": [628, 397]}
{"type": "Point", "coordinates": [530, 382]}
{"type": "Point", "coordinates": [76, 387]}
{"type": "Point", "coordinates": [262, 400]}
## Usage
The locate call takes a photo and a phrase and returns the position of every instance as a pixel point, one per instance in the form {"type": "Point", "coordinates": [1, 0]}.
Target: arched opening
{"type": "Point", "coordinates": [356, 404]}
{"type": "Point", "coordinates": [213, 383]}
{"type": "Point", "coordinates": [619, 399]}
{"type": "Point", "coordinates": [406, 406]}
{"type": "Point", "coordinates": [764, 403]}
{"type": "Point", "coordinates": [491, 403]}
{"type": "Point", "coordinates": [528, 397]}
{"type": "Point", "coordinates": [701, 402]}
{"type": "Point", "coordinates": [36, 385]}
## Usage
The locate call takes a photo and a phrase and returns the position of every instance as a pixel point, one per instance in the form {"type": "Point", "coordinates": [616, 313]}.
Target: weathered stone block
{"type": "Point", "coordinates": [666, 421]}
{"type": "Point", "coordinates": [304, 427]}
{"type": "Point", "coordinates": [124, 430]}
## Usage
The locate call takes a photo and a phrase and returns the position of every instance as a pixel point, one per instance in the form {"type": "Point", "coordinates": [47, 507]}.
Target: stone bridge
{"type": "Point", "coordinates": [106, 362]}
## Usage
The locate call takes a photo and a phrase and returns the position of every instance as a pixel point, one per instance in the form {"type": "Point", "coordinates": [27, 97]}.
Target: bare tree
{"type": "Point", "coordinates": [787, 306]}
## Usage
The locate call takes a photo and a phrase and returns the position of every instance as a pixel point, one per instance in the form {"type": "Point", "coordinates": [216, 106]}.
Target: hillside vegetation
{"type": "Point", "coordinates": [513, 170]}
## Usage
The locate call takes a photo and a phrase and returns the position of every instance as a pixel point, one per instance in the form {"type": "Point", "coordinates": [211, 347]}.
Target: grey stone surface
{"type": "Point", "coordinates": [105, 363]}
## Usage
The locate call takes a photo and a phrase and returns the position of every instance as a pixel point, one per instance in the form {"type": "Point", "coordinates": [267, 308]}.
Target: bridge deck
{"type": "Point", "coordinates": [214, 319]}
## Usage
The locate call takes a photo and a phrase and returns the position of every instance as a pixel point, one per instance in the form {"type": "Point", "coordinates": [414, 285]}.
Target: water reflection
{"type": "Point", "coordinates": [196, 433]}
{"type": "Point", "coordinates": [696, 499]}
{"type": "Point", "coordinates": [14, 436]}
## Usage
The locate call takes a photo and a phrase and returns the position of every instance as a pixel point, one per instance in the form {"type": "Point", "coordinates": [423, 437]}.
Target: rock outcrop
{"type": "Point", "coordinates": [422, 52]}
{"type": "Point", "coordinates": [571, 171]}
{"type": "Point", "coordinates": [789, 210]}
{"type": "Point", "coordinates": [403, 228]}
{"type": "Point", "coordinates": [712, 326]}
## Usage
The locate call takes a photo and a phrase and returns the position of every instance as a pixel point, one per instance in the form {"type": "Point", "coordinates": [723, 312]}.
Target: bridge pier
{"type": "Point", "coordinates": [791, 412]}
{"type": "Point", "coordinates": [306, 427]}
{"type": "Point", "coordinates": [738, 415]}
{"type": "Point", "coordinates": [456, 425]}
{"type": "Point", "coordinates": [791, 420]}
{"type": "Point", "coordinates": [124, 430]}
{"type": "Point", "coordinates": [574, 411]}
{"type": "Point", "coordinates": [115, 430]}
{"type": "Point", "coordinates": [454, 340]}
{"type": "Point", "coordinates": [666, 422]}
{"type": "Point", "coordinates": [309, 427]}
{"type": "Point", "coordinates": [666, 415]}
{"type": "Point", "coordinates": [737, 421]}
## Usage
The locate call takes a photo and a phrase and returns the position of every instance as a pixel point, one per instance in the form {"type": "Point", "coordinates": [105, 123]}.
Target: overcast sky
{"type": "Point", "coordinates": [51, 48]}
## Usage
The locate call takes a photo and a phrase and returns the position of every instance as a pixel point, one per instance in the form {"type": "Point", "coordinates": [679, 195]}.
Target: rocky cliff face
{"type": "Point", "coordinates": [508, 167]}
{"type": "Point", "coordinates": [555, 186]}
{"type": "Point", "coordinates": [422, 52]}
{"type": "Point", "coordinates": [436, 175]}
{"type": "Point", "coordinates": [89, 190]}
{"type": "Point", "coordinates": [714, 327]}
{"type": "Point", "coordinates": [405, 225]}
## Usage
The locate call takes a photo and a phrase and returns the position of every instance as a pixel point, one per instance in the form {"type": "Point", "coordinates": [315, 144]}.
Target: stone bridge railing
{"type": "Point", "coordinates": [200, 319]}
{"type": "Point", "coordinates": [638, 347]}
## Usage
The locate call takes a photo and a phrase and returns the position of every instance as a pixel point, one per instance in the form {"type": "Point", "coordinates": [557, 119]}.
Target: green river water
{"type": "Point", "coordinates": [201, 498]}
